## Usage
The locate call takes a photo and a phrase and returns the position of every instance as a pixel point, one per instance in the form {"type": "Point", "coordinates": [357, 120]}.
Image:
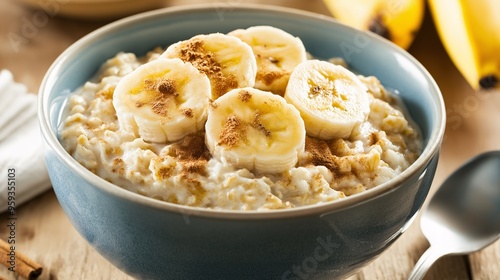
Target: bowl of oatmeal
{"type": "Point", "coordinates": [248, 142]}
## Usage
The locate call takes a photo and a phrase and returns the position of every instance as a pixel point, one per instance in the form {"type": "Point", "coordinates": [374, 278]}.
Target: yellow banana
{"type": "Point", "coordinates": [396, 20]}
{"type": "Point", "coordinates": [470, 33]}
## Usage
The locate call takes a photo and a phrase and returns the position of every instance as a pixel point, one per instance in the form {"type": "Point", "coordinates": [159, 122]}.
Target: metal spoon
{"type": "Point", "coordinates": [463, 216]}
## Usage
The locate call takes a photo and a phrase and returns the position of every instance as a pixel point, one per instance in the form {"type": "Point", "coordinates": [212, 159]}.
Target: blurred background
{"type": "Point", "coordinates": [33, 33]}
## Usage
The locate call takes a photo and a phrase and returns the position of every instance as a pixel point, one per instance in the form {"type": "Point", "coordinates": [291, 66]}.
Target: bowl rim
{"type": "Point", "coordinates": [429, 151]}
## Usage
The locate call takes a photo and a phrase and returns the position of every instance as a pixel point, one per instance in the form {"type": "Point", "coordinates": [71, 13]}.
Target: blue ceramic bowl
{"type": "Point", "coordinates": [151, 239]}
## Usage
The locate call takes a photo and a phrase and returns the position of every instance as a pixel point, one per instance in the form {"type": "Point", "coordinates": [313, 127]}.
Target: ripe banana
{"type": "Point", "coordinates": [331, 99]}
{"type": "Point", "coordinates": [277, 53]}
{"type": "Point", "coordinates": [396, 20]}
{"type": "Point", "coordinates": [470, 33]}
{"type": "Point", "coordinates": [226, 60]}
{"type": "Point", "coordinates": [256, 130]}
{"type": "Point", "coordinates": [162, 100]}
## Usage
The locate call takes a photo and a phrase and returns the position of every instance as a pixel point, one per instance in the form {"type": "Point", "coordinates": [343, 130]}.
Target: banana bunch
{"type": "Point", "coordinates": [470, 33]}
{"type": "Point", "coordinates": [396, 20]}
{"type": "Point", "coordinates": [252, 91]}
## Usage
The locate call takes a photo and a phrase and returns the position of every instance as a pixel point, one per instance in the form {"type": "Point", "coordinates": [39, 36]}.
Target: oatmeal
{"type": "Point", "coordinates": [284, 161]}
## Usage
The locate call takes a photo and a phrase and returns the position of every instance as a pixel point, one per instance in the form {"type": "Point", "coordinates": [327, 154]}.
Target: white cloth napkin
{"type": "Point", "coordinates": [21, 155]}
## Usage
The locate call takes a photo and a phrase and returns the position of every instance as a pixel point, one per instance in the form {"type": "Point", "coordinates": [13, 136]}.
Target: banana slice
{"type": "Point", "coordinates": [226, 60]}
{"type": "Point", "coordinates": [256, 130]}
{"type": "Point", "coordinates": [162, 100]}
{"type": "Point", "coordinates": [331, 99]}
{"type": "Point", "coordinates": [277, 53]}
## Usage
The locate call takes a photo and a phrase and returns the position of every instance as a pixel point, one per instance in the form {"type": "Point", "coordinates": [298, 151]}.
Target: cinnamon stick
{"type": "Point", "coordinates": [18, 262]}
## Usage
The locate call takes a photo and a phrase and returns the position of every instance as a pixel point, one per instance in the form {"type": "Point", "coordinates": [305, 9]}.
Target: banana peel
{"type": "Point", "coordinates": [395, 20]}
{"type": "Point", "coordinates": [470, 33]}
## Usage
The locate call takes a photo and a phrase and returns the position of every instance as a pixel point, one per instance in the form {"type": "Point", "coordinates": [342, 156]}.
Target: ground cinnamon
{"type": "Point", "coordinates": [205, 61]}
{"type": "Point", "coordinates": [192, 153]}
{"type": "Point", "coordinates": [321, 153]}
{"type": "Point", "coordinates": [21, 264]}
{"type": "Point", "coordinates": [167, 88]}
{"type": "Point", "coordinates": [232, 132]}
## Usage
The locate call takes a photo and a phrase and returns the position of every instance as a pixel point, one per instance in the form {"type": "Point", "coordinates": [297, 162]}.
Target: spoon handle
{"type": "Point", "coordinates": [425, 262]}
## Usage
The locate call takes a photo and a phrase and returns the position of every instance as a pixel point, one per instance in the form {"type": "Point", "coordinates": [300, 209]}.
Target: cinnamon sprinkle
{"type": "Point", "coordinates": [270, 76]}
{"type": "Point", "coordinates": [231, 132]}
{"type": "Point", "coordinates": [166, 87]}
{"type": "Point", "coordinates": [195, 166]}
{"type": "Point", "coordinates": [192, 154]}
{"type": "Point", "coordinates": [167, 90]}
{"type": "Point", "coordinates": [188, 112]}
{"type": "Point", "coordinates": [159, 106]}
{"type": "Point", "coordinates": [321, 154]}
{"type": "Point", "coordinates": [244, 96]}
{"type": "Point", "coordinates": [194, 52]}
{"type": "Point", "coordinates": [341, 164]}
{"type": "Point", "coordinates": [339, 148]}
{"type": "Point", "coordinates": [164, 172]}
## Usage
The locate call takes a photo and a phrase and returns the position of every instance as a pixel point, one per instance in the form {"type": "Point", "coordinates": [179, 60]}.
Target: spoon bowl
{"type": "Point", "coordinates": [463, 216]}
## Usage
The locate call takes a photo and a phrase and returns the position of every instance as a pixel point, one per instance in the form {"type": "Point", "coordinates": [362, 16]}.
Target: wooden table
{"type": "Point", "coordinates": [45, 234]}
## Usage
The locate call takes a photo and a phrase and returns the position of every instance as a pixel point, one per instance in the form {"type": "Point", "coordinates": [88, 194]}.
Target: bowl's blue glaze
{"type": "Point", "coordinates": [155, 240]}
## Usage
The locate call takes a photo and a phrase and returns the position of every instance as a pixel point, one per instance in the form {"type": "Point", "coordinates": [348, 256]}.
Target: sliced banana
{"type": "Point", "coordinates": [277, 53]}
{"type": "Point", "coordinates": [226, 60]}
{"type": "Point", "coordinates": [256, 130]}
{"type": "Point", "coordinates": [330, 98]}
{"type": "Point", "coordinates": [162, 100]}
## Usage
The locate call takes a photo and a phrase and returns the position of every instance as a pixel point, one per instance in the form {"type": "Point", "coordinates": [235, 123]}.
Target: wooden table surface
{"type": "Point", "coordinates": [45, 234]}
